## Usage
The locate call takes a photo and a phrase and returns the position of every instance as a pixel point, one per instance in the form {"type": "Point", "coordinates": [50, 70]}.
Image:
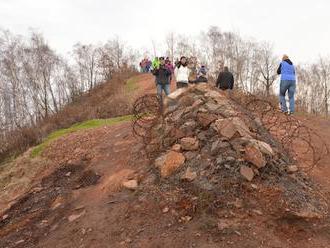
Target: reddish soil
{"type": "Point", "coordinates": [83, 203]}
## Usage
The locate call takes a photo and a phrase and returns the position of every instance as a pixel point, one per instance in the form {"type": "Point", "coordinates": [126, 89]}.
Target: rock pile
{"type": "Point", "coordinates": [209, 142]}
{"type": "Point", "coordinates": [204, 131]}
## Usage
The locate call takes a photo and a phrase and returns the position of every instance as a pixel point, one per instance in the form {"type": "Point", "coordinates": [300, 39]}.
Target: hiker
{"type": "Point", "coordinates": [288, 84]}
{"type": "Point", "coordinates": [148, 65]}
{"type": "Point", "coordinates": [201, 76]}
{"type": "Point", "coordinates": [225, 79]}
{"type": "Point", "coordinates": [181, 73]}
{"type": "Point", "coordinates": [169, 66]}
{"type": "Point", "coordinates": [162, 74]}
{"type": "Point", "coordinates": [155, 63]}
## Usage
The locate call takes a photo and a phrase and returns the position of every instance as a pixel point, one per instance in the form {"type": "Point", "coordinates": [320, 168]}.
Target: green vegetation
{"type": "Point", "coordinates": [77, 127]}
{"type": "Point", "coordinates": [131, 84]}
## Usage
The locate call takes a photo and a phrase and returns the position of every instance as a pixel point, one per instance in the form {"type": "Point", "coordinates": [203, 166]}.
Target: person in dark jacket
{"type": "Point", "coordinates": [163, 75]}
{"type": "Point", "coordinates": [225, 79]}
{"type": "Point", "coordinates": [288, 84]}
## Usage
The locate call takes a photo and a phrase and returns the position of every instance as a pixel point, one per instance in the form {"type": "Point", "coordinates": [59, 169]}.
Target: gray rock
{"type": "Point", "coordinates": [205, 185]}
{"type": "Point", "coordinates": [212, 107]}
{"type": "Point", "coordinates": [202, 136]}
{"type": "Point", "coordinates": [220, 160]}
{"type": "Point", "coordinates": [190, 155]}
{"type": "Point", "coordinates": [230, 159]}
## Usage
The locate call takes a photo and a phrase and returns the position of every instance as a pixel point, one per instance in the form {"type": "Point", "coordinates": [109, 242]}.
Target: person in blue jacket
{"type": "Point", "coordinates": [288, 83]}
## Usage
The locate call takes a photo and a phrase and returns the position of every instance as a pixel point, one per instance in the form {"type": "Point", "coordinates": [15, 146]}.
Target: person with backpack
{"type": "Point", "coordinates": [225, 79]}
{"type": "Point", "coordinates": [181, 73]}
{"type": "Point", "coordinates": [288, 84]}
{"type": "Point", "coordinates": [162, 74]}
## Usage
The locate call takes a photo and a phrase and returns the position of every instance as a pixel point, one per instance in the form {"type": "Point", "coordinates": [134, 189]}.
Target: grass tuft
{"type": "Point", "coordinates": [36, 151]}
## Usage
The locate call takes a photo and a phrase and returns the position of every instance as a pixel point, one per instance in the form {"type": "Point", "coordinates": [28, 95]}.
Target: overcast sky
{"type": "Point", "coordinates": [299, 28]}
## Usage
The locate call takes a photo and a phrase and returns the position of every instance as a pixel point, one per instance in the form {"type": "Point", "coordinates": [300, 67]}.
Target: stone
{"type": "Point", "coordinates": [256, 211]}
{"type": "Point", "coordinates": [238, 203]}
{"type": "Point", "coordinates": [247, 173]}
{"type": "Point", "coordinates": [20, 242]}
{"type": "Point", "coordinates": [231, 127]}
{"type": "Point", "coordinates": [292, 168]}
{"type": "Point", "coordinates": [176, 133]}
{"type": "Point", "coordinates": [57, 203]}
{"type": "Point", "coordinates": [189, 127]}
{"type": "Point", "coordinates": [197, 103]}
{"type": "Point", "coordinates": [177, 93]}
{"type": "Point", "coordinates": [160, 161]}
{"type": "Point", "coordinates": [215, 147]}
{"type": "Point", "coordinates": [176, 148]}
{"type": "Point", "coordinates": [131, 184]}
{"type": "Point", "coordinates": [5, 217]}
{"type": "Point", "coordinates": [254, 156]}
{"type": "Point", "coordinates": [202, 136]}
{"type": "Point", "coordinates": [189, 175]}
{"type": "Point", "coordinates": [220, 160]}
{"type": "Point", "coordinates": [205, 119]}
{"type": "Point", "coordinates": [262, 146]}
{"type": "Point", "coordinates": [189, 144]}
{"type": "Point", "coordinates": [204, 184]}
{"type": "Point", "coordinates": [74, 217]}
{"type": "Point", "coordinates": [212, 107]}
{"type": "Point", "coordinates": [172, 162]}
{"type": "Point", "coordinates": [230, 159]}
{"type": "Point", "coordinates": [165, 210]}
{"type": "Point", "coordinates": [190, 155]}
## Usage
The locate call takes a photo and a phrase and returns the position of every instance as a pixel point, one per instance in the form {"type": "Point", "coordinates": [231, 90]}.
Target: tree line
{"type": "Point", "coordinates": [36, 82]}
{"type": "Point", "coordinates": [254, 65]}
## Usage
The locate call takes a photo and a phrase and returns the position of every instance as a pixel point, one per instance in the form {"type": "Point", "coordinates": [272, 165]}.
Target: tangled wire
{"type": "Point", "coordinates": [297, 140]}
{"type": "Point", "coordinates": [301, 142]}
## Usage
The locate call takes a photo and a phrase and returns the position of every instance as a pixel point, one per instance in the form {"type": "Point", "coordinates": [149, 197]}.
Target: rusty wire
{"type": "Point", "coordinates": [301, 143]}
{"type": "Point", "coordinates": [147, 112]}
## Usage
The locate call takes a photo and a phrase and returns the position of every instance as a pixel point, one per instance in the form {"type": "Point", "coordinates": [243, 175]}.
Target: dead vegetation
{"type": "Point", "coordinates": [107, 100]}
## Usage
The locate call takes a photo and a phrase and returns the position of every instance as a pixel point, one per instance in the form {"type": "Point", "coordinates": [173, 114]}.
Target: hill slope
{"type": "Point", "coordinates": [72, 195]}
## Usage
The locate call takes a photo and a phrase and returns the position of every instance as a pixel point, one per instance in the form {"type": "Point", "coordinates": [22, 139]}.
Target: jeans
{"type": "Point", "coordinates": [290, 87]}
{"type": "Point", "coordinates": [161, 87]}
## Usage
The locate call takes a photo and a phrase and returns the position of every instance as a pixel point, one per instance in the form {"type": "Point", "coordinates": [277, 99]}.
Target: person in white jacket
{"type": "Point", "coordinates": [181, 73]}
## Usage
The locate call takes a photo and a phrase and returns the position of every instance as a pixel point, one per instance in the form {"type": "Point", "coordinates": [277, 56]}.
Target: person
{"type": "Point", "coordinates": [201, 76]}
{"type": "Point", "coordinates": [287, 84]}
{"type": "Point", "coordinates": [148, 65]}
{"type": "Point", "coordinates": [225, 79]}
{"type": "Point", "coordinates": [155, 63]}
{"type": "Point", "coordinates": [169, 66]}
{"type": "Point", "coordinates": [181, 73]}
{"type": "Point", "coordinates": [162, 74]}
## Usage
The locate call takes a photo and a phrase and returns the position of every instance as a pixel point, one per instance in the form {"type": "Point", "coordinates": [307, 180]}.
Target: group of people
{"type": "Point", "coordinates": [186, 74]}
{"type": "Point", "coordinates": [145, 65]}
{"type": "Point", "coordinates": [163, 70]}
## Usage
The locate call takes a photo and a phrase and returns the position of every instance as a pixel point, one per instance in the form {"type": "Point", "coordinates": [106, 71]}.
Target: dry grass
{"type": "Point", "coordinates": [111, 99]}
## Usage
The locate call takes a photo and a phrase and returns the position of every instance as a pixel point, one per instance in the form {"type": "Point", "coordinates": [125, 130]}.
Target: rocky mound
{"type": "Point", "coordinates": [205, 142]}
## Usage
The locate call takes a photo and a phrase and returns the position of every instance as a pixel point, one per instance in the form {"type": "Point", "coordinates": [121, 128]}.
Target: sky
{"type": "Point", "coordinates": [297, 28]}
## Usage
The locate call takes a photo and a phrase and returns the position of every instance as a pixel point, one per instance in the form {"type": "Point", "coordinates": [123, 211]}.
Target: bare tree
{"type": "Point", "coordinates": [267, 67]}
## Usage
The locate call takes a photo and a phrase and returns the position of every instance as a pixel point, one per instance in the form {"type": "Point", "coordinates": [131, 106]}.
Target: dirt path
{"type": "Point", "coordinates": [83, 203]}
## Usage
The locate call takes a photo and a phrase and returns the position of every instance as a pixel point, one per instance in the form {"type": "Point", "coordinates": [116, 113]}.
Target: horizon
{"type": "Point", "coordinates": [65, 23]}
